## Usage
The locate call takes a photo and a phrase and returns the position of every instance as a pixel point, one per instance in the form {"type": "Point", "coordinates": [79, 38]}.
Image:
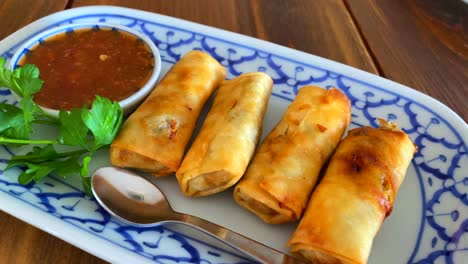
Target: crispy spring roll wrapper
{"type": "Point", "coordinates": [354, 197]}
{"type": "Point", "coordinates": [226, 142]}
{"type": "Point", "coordinates": [283, 172]}
{"type": "Point", "coordinates": [155, 136]}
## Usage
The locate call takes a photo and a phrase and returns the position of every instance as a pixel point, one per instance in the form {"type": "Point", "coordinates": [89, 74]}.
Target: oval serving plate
{"type": "Point", "coordinates": [430, 217]}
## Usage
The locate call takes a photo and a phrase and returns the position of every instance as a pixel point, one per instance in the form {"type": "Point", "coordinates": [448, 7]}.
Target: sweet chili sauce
{"type": "Point", "coordinates": [78, 65]}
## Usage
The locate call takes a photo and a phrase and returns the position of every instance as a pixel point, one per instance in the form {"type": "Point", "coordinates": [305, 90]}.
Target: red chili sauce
{"type": "Point", "coordinates": [77, 66]}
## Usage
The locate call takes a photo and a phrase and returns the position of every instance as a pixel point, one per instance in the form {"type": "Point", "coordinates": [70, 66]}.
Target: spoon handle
{"type": "Point", "coordinates": [253, 248]}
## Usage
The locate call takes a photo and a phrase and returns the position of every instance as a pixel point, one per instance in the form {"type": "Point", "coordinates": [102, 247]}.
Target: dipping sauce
{"type": "Point", "coordinates": [78, 65]}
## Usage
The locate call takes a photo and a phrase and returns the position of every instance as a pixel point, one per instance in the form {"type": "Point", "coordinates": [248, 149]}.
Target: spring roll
{"type": "Point", "coordinates": [155, 136]}
{"type": "Point", "coordinates": [226, 142]}
{"type": "Point", "coordinates": [354, 197]}
{"type": "Point", "coordinates": [283, 172]}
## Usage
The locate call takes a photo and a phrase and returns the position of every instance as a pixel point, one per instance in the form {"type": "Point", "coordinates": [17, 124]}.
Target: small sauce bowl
{"type": "Point", "coordinates": [145, 64]}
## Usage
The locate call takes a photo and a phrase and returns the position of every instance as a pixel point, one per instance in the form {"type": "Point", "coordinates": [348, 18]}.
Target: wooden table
{"type": "Point", "coordinates": [419, 43]}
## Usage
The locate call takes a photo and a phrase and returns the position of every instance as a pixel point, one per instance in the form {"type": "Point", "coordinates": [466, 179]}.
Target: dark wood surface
{"type": "Point", "coordinates": [421, 44]}
{"type": "Point", "coordinates": [418, 43]}
{"type": "Point", "coordinates": [17, 14]}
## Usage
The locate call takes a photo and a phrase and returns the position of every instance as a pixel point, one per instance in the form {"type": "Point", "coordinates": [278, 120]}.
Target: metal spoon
{"type": "Point", "coordinates": [131, 198]}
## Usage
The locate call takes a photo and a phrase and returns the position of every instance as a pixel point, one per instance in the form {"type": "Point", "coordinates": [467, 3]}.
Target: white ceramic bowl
{"type": "Point", "coordinates": [128, 104]}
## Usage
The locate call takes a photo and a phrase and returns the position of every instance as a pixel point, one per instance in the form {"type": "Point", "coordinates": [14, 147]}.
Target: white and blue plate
{"type": "Point", "coordinates": [429, 223]}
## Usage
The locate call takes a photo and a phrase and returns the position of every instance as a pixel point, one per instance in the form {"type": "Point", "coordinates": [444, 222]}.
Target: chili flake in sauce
{"type": "Point", "coordinates": [76, 66]}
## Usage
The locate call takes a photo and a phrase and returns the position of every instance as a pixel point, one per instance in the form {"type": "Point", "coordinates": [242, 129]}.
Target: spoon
{"type": "Point", "coordinates": [133, 199]}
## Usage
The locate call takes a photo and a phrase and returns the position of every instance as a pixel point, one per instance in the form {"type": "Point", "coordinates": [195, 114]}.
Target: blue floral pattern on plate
{"type": "Point", "coordinates": [441, 164]}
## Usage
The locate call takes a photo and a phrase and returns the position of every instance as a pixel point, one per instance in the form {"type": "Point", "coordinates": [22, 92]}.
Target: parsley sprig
{"type": "Point", "coordinates": [84, 131]}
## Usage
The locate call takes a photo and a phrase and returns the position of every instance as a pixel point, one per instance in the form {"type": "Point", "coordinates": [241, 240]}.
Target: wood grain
{"type": "Point", "coordinates": [326, 28]}
{"type": "Point", "coordinates": [17, 14]}
{"type": "Point", "coordinates": [419, 44]}
{"type": "Point", "coordinates": [22, 243]}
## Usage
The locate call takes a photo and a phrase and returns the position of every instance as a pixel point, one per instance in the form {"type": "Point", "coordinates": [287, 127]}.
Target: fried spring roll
{"type": "Point", "coordinates": [283, 172]}
{"type": "Point", "coordinates": [354, 197]}
{"type": "Point", "coordinates": [155, 136]}
{"type": "Point", "coordinates": [226, 142]}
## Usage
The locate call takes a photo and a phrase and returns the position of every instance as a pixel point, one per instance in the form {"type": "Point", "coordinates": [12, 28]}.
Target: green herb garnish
{"type": "Point", "coordinates": [83, 130]}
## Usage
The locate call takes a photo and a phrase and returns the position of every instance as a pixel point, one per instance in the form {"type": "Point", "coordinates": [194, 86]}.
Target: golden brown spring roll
{"type": "Point", "coordinates": [283, 172]}
{"type": "Point", "coordinates": [155, 136]}
{"type": "Point", "coordinates": [354, 197]}
{"type": "Point", "coordinates": [226, 142]}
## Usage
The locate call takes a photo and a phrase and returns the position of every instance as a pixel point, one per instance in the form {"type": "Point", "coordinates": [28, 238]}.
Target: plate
{"type": "Point", "coordinates": [430, 218]}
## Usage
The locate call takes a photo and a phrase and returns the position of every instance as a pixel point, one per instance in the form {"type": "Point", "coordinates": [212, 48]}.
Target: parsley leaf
{"type": "Point", "coordinates": [42, 161]}
{"type": "Point", "coordinates": [11, 116]}
{"type": "Point", "coordinates": [84, 171]}
{"type": "Point", "coordinates": [36, 171]}
{"type": "Point", "coordinates": [41, 154]}
{"type": "Point", "coordinates": [17, 122]}
{"type": "Point", "coordinates": [85, 178]}
{"type": "Point", "coordinates": [73, 130]}
{"type": "Point", "coordinates": [37, 155]}
{"type": "Point", "coordinates": [104, 120]}
{"type": "Point", "coordinates": [29, 111]}
{"type": "Point", "coordinates": [5, 74]}
{"type": "Point", "coordinates": [25, 80]}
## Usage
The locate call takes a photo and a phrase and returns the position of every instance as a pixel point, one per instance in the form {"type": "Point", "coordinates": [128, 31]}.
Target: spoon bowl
{"type": "Point", "coordinates": [135, 200]}
{"type": "Point", "coordinates": [129, 197]}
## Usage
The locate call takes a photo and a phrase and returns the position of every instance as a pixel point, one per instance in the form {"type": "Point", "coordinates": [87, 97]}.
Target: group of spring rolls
{"type": "Point", "coordinates": [338, 219]}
